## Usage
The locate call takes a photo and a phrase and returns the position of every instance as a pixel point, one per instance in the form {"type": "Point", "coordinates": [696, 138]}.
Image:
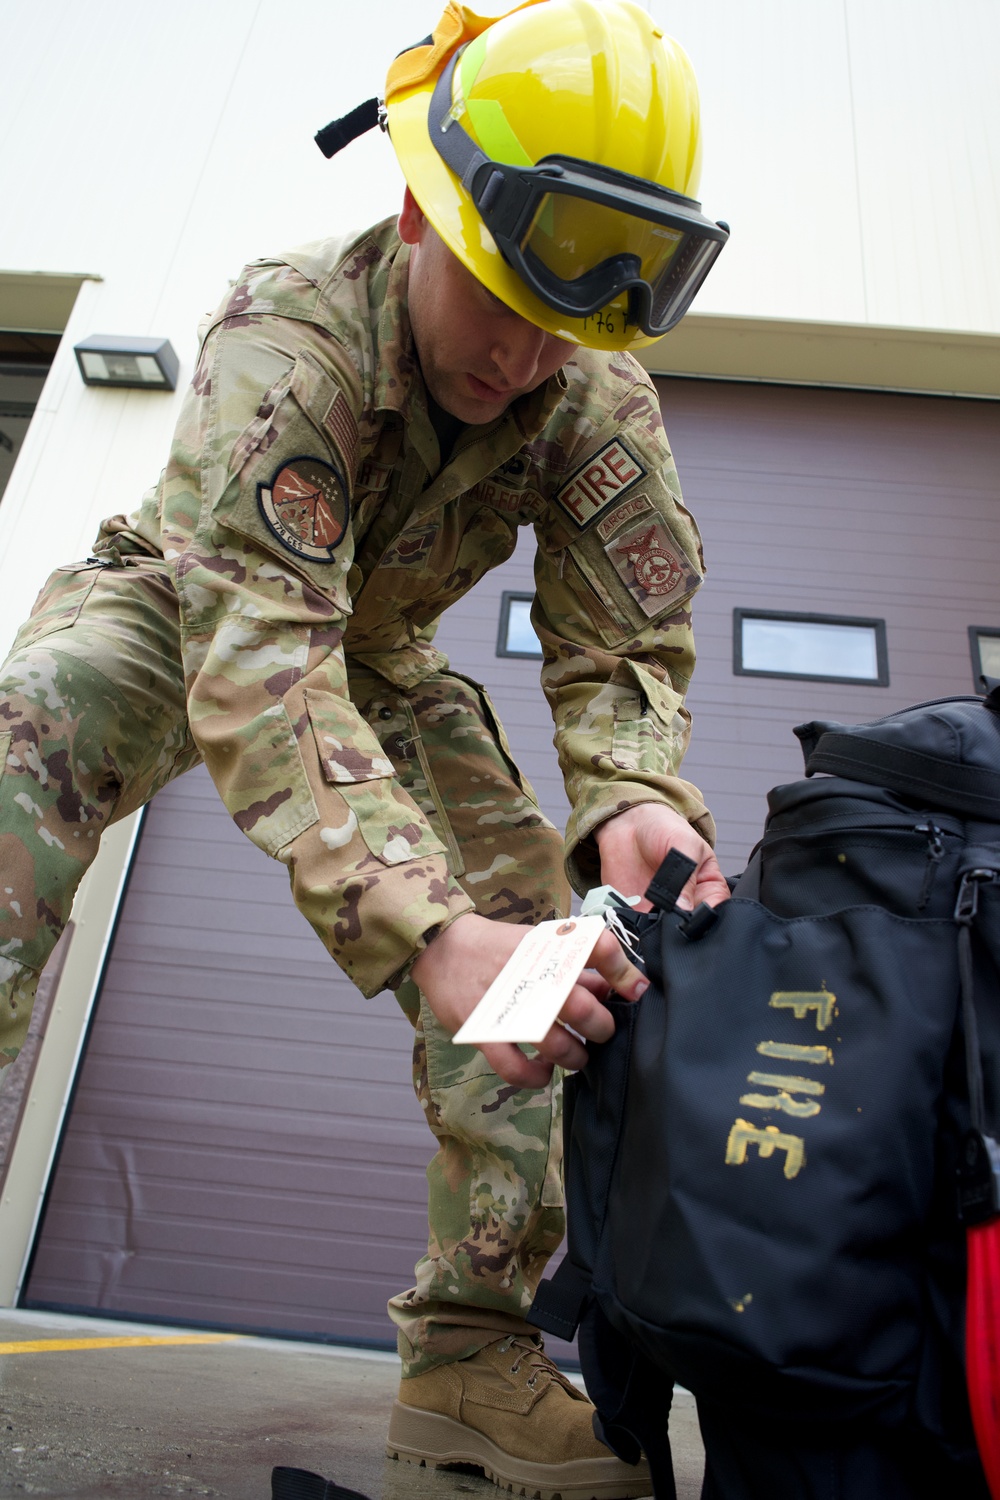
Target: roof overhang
{"type": "Point", "coordinates": [39, 300]}
{"type": "Point", "coordinates": [860, 356]}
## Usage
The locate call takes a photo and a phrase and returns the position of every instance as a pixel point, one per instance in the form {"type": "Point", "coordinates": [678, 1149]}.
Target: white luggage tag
{"type": "Point", "coordinates": [529, 992]}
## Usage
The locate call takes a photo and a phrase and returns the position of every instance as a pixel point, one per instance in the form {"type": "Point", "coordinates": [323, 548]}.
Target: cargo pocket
{"type": "Point", "coordinates": [499, 735]}
{"type": "Point", "coordinates": [354, 763]}
{"type": "Point", "coordinates": [651, 725]}
{"type": "Point", "coordinates": [60, 602]}
{"type": "Point", "coordinates": [418, 779]}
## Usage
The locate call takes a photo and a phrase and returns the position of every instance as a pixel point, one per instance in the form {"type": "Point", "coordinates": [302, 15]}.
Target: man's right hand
{"type": "Point", "coordinates": [457, 968]}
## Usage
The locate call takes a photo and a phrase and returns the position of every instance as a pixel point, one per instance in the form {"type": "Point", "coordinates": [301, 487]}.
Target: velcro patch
{"type": "Point", "coordinates": [374, 477]}
{"type": "Point", "coordinates": [653, 566]}
{"type": "Point", "coordinates": [599, 482]}
{"type": "Point", "coordinates": [305, 506]}
{"type": "Point", "coordinates": [412, 547]}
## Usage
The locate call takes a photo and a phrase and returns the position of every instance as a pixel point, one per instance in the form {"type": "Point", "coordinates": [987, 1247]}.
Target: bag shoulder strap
{"type": "Point", "coordinates": [560, 1300]}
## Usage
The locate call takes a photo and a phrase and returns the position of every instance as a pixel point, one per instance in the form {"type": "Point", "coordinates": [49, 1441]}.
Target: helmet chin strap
{"type": "Point", "coordinates": [340, 133]}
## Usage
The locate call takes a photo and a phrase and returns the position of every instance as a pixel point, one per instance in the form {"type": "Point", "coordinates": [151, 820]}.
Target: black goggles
{"type": "Point", "coordinates": [580, 235]}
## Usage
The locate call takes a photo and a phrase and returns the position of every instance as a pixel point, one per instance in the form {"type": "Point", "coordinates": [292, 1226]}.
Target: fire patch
{"type": "Point", "coordinates": [305, 505]}
{"type": "Point", "coordinates": [599, 482]}
{"type": "Point", "coordinates": [654, 569]}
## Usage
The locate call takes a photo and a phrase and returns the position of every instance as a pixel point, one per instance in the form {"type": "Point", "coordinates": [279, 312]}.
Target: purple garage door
{"type": "Point", "coordinates": [243, 1148]}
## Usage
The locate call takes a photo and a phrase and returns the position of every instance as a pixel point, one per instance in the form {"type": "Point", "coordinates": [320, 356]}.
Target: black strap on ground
{"type": "Point", "coordinates": [301, 1484]}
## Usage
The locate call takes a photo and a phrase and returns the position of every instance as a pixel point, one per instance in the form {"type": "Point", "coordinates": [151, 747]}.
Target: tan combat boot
{"type": "Point", "coordinates": [510, 1412]}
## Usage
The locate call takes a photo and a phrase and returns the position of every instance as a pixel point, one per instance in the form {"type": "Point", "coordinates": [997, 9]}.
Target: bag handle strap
{"type": "Point", "coordinates": [560, 1300]}
{"type": "Point", "coordinates": [972, 790]}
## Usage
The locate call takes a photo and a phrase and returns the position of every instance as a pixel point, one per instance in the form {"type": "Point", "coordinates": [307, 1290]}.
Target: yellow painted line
{"type": "Point", "coordinates": [45, 1346]}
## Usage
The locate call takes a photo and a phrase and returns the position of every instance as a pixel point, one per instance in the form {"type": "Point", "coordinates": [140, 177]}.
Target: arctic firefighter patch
{"type": "Point", "coordinates": [653, 567]}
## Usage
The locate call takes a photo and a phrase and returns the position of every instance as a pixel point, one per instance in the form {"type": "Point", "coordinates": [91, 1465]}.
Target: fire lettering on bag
{"type": "Point", "coordinates": [784, 1099]}
{"type": "Point", "coordinates": [599, 482]}
{"type": "Point", "coordinates": [821, 1004]}
{"type": "Point", "coordinates": [768, 1140]}
{"type": "Point", "coordinates": [801, 1002]}
{"type": "Point", "coordinates": [793, 1052]}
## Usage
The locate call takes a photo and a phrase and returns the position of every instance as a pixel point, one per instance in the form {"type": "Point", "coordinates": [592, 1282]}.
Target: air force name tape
{"type": "Point", "coordinates": [599, 482]}
{"type": "Point", "coordinates": [305, 506]}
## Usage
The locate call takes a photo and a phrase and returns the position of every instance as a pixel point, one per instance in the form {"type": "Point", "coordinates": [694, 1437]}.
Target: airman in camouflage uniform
{"type": "Point", "coordinates": [270, 610]}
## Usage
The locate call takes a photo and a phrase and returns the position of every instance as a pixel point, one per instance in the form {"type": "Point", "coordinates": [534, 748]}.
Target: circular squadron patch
{"type": "Point", "coordinates": [305, 505]}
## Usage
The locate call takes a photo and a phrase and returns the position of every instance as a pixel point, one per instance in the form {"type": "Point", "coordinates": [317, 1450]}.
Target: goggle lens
{"type": "Point", "coordinates": [583, 256]}
{"type": "Point", "coordinates": [572, 236]}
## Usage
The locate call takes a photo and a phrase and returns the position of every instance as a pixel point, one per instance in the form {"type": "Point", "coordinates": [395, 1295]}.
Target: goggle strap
{"type": "Point", "coordinates": [453, 143]}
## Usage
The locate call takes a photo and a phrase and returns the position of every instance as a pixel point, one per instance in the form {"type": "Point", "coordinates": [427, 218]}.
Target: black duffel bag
{"type": "Point", "coordinates": [762, 1162]}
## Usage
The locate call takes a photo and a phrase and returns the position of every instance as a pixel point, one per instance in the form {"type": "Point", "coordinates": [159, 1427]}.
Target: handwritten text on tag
{"type": "Point", "coordinates": [530, 990]}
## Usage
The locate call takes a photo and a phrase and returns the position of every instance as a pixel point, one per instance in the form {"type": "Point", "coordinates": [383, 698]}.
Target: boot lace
{"type": "Point", "coordinates": [529, 1352]}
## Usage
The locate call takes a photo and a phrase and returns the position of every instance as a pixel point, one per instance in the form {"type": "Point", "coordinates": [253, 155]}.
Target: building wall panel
{"type": "Point", "coordinates": [839, 503]}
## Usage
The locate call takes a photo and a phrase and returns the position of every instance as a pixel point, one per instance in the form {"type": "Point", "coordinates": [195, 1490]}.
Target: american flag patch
{"type": "Point", "coordinates": [339, 422]}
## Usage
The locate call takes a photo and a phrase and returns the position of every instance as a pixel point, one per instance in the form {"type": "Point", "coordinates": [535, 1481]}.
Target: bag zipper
{"type": "Point", "coordinates": [935, 854]}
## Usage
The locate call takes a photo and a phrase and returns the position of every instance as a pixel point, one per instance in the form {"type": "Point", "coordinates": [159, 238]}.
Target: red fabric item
{"type": "Point", "coordinates": [982, 1344]}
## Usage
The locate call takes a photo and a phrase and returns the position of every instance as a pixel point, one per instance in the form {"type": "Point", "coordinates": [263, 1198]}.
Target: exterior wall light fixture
{"type": "Point", "coordinates": [148, 364]}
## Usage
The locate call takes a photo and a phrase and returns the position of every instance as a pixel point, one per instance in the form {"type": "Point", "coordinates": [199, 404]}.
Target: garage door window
{"type": "Point", "coordinates": [825, 648]}
{"type": "Point", "coordinates": [516, 637]}
{"type": "Point", "coordinates": [984, 641]}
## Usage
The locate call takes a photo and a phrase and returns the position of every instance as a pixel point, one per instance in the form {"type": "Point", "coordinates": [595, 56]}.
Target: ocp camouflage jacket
{"type": "Point", "coordinates": [306, 520]}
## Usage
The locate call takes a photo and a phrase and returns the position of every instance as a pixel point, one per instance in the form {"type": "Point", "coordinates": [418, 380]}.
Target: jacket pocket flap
{"type": "Point", "coordinates": [358, 757]}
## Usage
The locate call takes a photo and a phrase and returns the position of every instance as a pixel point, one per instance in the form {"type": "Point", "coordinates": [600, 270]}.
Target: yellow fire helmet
{"type": "Point", "coordinates": [557, 151]}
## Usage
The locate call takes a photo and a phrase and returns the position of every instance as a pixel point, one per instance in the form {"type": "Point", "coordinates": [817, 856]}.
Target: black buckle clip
{"type": "Point", "coordinates": [967, 904]}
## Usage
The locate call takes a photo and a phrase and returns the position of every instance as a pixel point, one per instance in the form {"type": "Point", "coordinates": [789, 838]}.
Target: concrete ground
{"type": "Point", "coordinates": [93, 1408]}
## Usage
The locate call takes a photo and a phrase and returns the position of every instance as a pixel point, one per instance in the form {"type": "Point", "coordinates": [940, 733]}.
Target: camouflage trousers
{"type": "Point", "coordinates": [93, 721]}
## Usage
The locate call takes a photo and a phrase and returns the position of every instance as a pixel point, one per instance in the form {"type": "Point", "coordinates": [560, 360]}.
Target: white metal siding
{"type": "Point", "coordinates": [853, 145]}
